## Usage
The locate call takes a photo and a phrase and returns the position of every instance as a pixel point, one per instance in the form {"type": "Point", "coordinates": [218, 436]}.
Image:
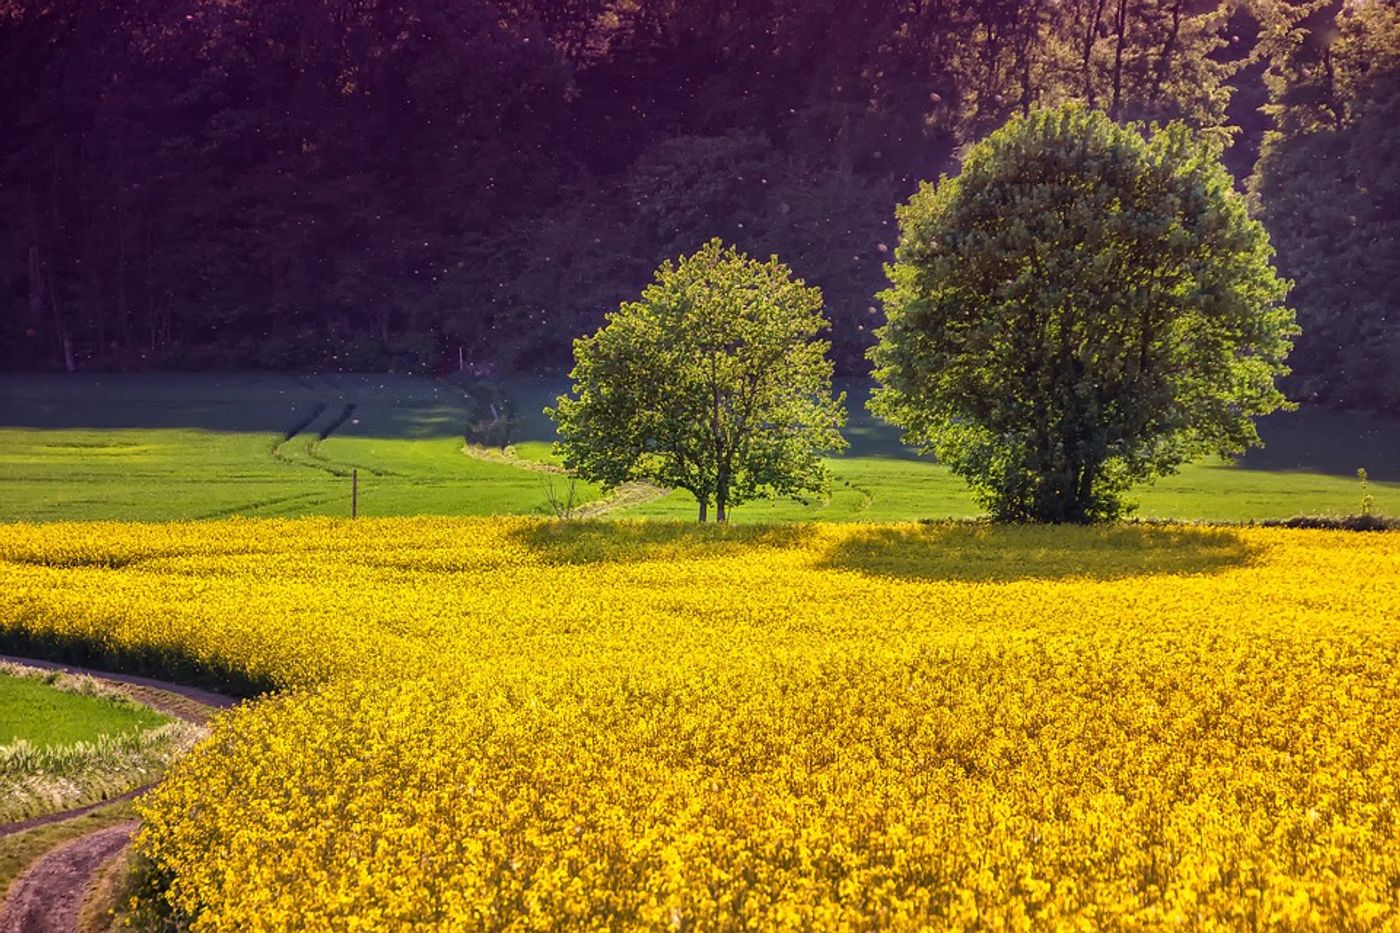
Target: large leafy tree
{"type": "Point", "coordinates": [714, 382]}
{"type": "Point", "coordinates": [1082, 308]}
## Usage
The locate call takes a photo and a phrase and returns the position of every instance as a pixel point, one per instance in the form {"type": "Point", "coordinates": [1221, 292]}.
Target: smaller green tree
{"type": "Point", "coordinates": [713, 383]}
{"type": "Point", "coordinates": [1086, 306]}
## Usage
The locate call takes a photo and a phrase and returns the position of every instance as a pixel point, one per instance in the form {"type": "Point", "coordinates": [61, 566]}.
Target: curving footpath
{"type": "Point", "coordinates": [48, 897]}
{"type": "Point", "coordinates": [622, 497]}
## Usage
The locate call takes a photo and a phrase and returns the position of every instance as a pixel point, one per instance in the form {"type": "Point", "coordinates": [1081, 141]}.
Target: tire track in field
{"type": "Point", "coordinates": [303, 498]}
{"type": "Point", "coordinates": [324, 423]}
{"type": "Point", "coordinates": [325, 419]}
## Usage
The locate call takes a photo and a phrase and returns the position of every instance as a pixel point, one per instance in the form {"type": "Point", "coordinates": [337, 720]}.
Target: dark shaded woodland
{"type": "Point", "coordinates": [423, 184]}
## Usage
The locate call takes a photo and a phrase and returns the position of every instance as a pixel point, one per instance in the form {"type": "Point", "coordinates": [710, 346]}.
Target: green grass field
{"type": "Point", "coordinates": [174, 447]}
{"type": "Point", "coordinates": [46, 717]}
{"type": "Point", "coordinates": [67, 740]}
{"type": "Point", "coordinates": [161, 448]}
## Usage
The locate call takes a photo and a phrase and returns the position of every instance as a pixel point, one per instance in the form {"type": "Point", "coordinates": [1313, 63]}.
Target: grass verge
{"type": "Point", "coordinates": [46, 709]}
{"type": "Point", "coordinates": [107, 906]}
{"type": "Point", "coordinates": [71, 740]}
{"type": "Point", "coordinates": [35, 780]}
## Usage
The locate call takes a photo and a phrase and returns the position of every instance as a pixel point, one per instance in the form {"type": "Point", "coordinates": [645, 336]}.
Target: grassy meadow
{"type": "Point", "coordinates": [44, 716]}
{"type": "Point", "coordinates": [68, 740]}
{"type": "Point", "coordinates": [156, 448]}
{"type": "Point", "coordinates": [509, 723]}
{"type": "Point", "coordinates": [181, 447]}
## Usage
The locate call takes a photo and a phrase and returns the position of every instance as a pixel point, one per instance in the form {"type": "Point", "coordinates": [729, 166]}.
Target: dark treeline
{"type": "Point", "coordinates": [364, 184]}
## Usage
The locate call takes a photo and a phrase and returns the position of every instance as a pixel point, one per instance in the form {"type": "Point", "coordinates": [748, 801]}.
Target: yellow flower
{"type": "Point", "coordinates": [505, 723]}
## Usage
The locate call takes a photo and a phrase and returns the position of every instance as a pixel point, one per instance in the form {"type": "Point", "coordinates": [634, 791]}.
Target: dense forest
{"type": "Point", "coordinates": [428, 184]}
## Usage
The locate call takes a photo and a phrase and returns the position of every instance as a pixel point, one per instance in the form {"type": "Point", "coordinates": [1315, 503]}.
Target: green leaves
{"type": "Point", "coordinates": [1083, 308]}
{"type": "Point", "coordinates": [713, 382]}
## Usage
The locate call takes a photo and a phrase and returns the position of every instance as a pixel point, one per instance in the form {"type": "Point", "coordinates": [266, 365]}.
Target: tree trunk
{"type": "Point", "coordinates": [1091, 34]}
{"type": "Point", "coordinates": [36, 287]}
{"type": "Point", "coordinates": [123, 299]}
{"type": "Point", "coordinates": [1329, 68]}
{"type": "Point", "coordinates": [147, 283]}
{"type": "Point", "coordinates": [60, 327]}
{"type": "Point", "coordinates": [1164, 63]}
{"type": "Point", "coordinates": [1029, 27]}
{"type": "Point", "coordinates": [1084, 493]}
{"type": "Point", "coordinates": [123, 304]}
{"type": "Point", "coordinates": [1055, 500]}
{"type": "Point", "coordinates": [722, 496]}
{"type": "Point", "coordinates": [704, 510]}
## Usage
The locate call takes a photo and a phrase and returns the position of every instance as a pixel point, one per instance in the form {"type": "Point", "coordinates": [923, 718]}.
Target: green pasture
{"type": "Point", "coordinates": [161, 448]}
{"type": "Point", "coordinates": [46, 716]}
{"type": "Point", "coordinates": [171, 447]}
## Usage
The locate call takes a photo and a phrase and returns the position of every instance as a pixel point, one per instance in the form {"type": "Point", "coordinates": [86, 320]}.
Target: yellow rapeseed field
{"type": "Point", "coordinates": [507, 723]}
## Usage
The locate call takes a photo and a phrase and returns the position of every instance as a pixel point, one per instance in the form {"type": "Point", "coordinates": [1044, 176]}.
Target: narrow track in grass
{"type": "Point", "coordinates": [624, 496]}
{"type": "Point", "coordinates": [301, 445]}
{"type": "Point", "coordinates": [48, 895]}
{"type": "Point", "coordinates": [504, 456]}
{"type": "Point", "coordinates": [63, 816]}
{"type": "Point", "coordinates": [311, 499]}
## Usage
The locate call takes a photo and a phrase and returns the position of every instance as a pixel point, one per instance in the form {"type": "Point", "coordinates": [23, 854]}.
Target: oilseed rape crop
{"type": "Point", "coordinates": [516, 724]}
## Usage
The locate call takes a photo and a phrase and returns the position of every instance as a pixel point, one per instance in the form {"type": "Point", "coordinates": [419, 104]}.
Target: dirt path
{"type": "Point", "coordinates": [144, 689]}
{"type": "Point", "coordinates": [628, 494]}
{"type": "Point", "coordinates": [33, 822]}
{"type": "Point", "coordinates": [48, 897]}
{"type": "Point", "coordinates": [503, 456]}
{"type": "Point", "coordinates": [624, 496]}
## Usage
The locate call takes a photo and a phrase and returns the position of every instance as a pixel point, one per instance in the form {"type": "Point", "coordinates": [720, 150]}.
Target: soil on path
{"type": "Point", "coordinates": [48, 897]}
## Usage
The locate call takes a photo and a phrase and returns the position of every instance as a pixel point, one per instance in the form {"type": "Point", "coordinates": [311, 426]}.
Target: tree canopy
{"type": "Point", "coordinates": [1082, 308]}
{"type": "Point", "coordinates": [713, 383]}
{"type": "Point", "coordinates": [1328, 188]}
